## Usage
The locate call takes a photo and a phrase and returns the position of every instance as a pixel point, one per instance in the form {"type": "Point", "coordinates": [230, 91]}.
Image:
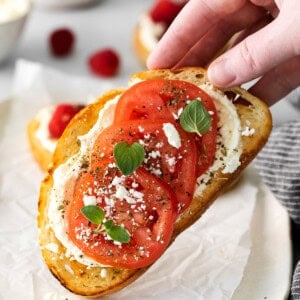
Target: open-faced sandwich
{"type": "Point", "coordinates": [136, 168]}
{"type": "Point", "coordinates": [152, 25]}
{"type": "Point", "coordinates": [46, 127]}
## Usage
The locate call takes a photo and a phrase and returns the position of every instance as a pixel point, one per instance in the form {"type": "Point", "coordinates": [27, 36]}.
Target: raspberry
{"type": "Point", "coordinates": [61, 42]}
{"type": "Point", "coordinates": [166, 10]}
{"type": "Point", "coordinates": [61, 117]}
{"type": "Point", "coordinates": [105, 62]}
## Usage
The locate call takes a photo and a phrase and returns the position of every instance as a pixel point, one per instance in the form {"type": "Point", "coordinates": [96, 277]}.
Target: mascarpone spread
{"type": "Point", "coordinates": [150, 32]}
{"type": "Point", "coordinates": [42, 134]}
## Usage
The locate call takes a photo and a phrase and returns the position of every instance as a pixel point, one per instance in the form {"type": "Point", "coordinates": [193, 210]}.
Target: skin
{"type": "Point", "coordinates": [264, 37]}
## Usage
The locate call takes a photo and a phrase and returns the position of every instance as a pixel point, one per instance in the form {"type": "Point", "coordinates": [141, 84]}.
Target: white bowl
{"type": "Point", "coordinates": [11, 27]}
{"type": "Point", "coordinates": [61, 3]}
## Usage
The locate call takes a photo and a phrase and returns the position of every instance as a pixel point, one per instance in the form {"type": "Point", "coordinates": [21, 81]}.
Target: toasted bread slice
{"type": "Point", "coordinates": [88, 281]}
{"type": "Point", "coordinates": [39, 137]}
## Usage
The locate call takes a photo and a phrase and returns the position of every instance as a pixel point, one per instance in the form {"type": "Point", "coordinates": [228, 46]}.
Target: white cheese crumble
{"type": "Point", "coordinates": [172, 135]}
{"type": "Point", "coordinates": [247, 131]}
{"type": "Point", "coordinates": [89, 200]}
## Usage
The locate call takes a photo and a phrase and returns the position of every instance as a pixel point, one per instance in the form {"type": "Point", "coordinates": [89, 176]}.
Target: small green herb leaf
{"type": "Point", "coordinates": [118, 233]}
{"type": "Point", "coordinates": [195, 118]}
{"type": "Point", "coordinates": [108, 224]}
{"type": "Point", "coordinates": [128, 157]}
{"type": "Point", "coordinates": [96, 215]}
{"type": "Point", "coordinates": [93, 213]}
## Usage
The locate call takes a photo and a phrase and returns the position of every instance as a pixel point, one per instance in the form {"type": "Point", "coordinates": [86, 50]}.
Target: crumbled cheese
{"type": "Point", "coordinates": [247, 131]}
{"type": "Point", "coordinates": [109, 201]}
{"type": "Point", "coordinates": [117, 180]}
{"type": "Point", "coordinates": [154, 154]}
{"type": "Point", "coordinates": [122, 193]}
{"type": "Point", "coordinates": [141, 129]}
{"type": "Point", "coordinates": [159, 145]}
{"type": "Point", "coordinates": [171, 161]}
{"type": "Point", "coordinates": [172, 135]}
{"type": "Point", "coordinates": [179, 112]}
{"type": "Point", "coordinates": [89, 200]}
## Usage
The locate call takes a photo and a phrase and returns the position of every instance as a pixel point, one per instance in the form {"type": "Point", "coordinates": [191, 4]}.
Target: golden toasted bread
{"type": "Point", "coordinates": [42, 144]}
{"type": "Point", "coordinates": [98, 281]}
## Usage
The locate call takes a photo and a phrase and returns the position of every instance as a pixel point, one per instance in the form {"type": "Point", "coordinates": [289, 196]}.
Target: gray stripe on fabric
{"type": "Point", "coordinates": [279, 166]}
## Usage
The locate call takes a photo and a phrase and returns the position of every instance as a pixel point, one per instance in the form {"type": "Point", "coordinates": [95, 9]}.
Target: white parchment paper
{"type": "Point", "coordinates": [205, 262]}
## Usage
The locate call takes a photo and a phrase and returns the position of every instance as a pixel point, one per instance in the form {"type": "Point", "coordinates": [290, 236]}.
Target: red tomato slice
{"type": "Point", "coordinates": [141, 202]}
{"type": "Point", "coordinates": [165, 99]}
{"type": "Point", "coordinates": [175, 166]}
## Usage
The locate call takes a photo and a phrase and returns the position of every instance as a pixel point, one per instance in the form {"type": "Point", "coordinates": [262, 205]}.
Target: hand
{"type": "Point", "coordinates": [266, 42]}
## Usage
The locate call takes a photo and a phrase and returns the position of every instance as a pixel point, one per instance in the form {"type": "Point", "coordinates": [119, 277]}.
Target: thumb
{"type": "Point", "coordinates": [257, 54]}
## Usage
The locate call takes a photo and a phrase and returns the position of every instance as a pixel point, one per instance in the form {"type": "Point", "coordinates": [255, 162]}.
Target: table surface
{"type": "Point", "coordinates": [103, 23]}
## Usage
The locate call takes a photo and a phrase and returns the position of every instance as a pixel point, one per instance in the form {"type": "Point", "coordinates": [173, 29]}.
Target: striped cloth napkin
{"type": "Point", "coordinates": [279, 165]}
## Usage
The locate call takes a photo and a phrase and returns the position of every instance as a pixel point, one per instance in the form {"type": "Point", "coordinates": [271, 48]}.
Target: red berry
{"type": "Point", "coordinates": [105, 62]}
{"type": "Point", "coordinates": [166, 10]}
{"type": "Point", "coordinates": [61, 117]}
{"type": "Point", "coordinates": [61, 42]}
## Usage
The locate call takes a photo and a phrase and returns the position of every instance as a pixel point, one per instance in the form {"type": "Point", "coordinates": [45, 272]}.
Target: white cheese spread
{"type": "Point", "coordinates": [150, 32]}
{"type": "Point", "coordinates": [42, 134]}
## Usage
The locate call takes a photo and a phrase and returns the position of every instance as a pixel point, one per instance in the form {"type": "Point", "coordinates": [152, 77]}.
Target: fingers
{"type": "Point", "coordinates": [191, 24]}
{"type": "Point", "coordinates": [202, 24]}
{"type": "Point", "coordinates": [256, 54]}
{"type": "Point", "coordinates": [278, 82]}
{"type": "Point", "coordinates": [267, 19]}
{"type": "Point", "coordinates": [220, 37]}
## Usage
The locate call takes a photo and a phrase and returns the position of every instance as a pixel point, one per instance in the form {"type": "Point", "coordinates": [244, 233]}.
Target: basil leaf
{"type": "Point", "coordinates": [118, 234]}
{"type": "Point", "coordinates": [195, 118]}
{"type": "Point", "coordinates": [108, 224]}
{"type": "Point", "coordinates": [128, 157]}
{"type": "Point", "coordinates": [93, 213]}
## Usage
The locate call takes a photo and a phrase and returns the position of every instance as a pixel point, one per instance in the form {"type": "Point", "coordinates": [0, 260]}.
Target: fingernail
{"type": "Point", "coordinates": [220, 74]}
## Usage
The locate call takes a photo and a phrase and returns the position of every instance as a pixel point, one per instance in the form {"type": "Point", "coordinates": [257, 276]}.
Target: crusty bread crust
{"type": "Point", "coordinates": [42, 155]}
{"type": "Point", "coordinates": [88, 281]}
